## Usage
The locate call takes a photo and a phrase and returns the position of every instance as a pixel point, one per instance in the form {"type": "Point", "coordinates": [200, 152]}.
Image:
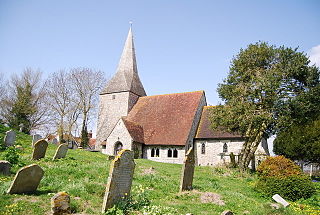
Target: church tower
{"type": "Point", "coordinates": [120, 94]}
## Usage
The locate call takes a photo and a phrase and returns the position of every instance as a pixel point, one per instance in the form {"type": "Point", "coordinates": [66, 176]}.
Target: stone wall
{"type": "Point", "coordinates": [118, 134]}
{"type": "Point", "coordinates": [214, 154]}
{"type": "Point", "coordinates": [111, 108]}
{"type": "Point", "coordinates": [163, 155]}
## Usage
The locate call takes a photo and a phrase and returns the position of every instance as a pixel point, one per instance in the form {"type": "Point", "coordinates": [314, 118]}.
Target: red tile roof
{"type": "Point", "coordinates": [206, 132]}
{"type": "Point", "coordinates": [166, 119]}
{"type": "Point", "coordinates": [135, 130]}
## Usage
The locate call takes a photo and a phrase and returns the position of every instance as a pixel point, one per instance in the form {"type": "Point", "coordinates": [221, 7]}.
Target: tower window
{"type": "Point", "coordinates": [157, 152]}
{"type": "Point", "coordinates": [203, 148]}
{"type": "Point", "coordinates": [113, 96]}
{"type": "Point", "coordinates": [152, 152]}
{"type": "Point", "coordinates": [225, 147]}
{"type": "Point", "coordinates": [169, 153]}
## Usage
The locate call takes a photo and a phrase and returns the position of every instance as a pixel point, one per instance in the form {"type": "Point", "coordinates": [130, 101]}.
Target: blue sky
{"type": "Point", "coordinates": [180, 45]}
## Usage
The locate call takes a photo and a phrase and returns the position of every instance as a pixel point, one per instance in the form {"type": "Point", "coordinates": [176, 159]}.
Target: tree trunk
{"type": "Point", "coordinates": [84, 132]}
{"type": "Point", "coordinates": [249, 148]}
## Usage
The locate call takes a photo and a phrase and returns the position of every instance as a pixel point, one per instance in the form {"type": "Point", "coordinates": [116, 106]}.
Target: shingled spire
{"type": "Point", "coordinates": [126, 78]}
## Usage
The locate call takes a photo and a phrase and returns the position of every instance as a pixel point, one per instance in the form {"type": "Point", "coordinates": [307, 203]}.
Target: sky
{"type": "Point", "coordinates": [180, 46]}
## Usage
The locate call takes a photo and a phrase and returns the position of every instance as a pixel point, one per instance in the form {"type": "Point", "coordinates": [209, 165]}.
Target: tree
{"type": "Point", "coordinates": [265, 87]}
{"type": "Point", "coordinates": [62, 103]}
{"type": "Point", "coordinates": [300, 142]}
{"type": "Point", "coordinates": [87, 83]}
{"type": "Point", "coordinates": [23, 106]}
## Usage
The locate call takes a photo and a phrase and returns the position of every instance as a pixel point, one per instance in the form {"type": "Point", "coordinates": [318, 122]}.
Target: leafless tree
{"type": "Point", "coordinates": [62, 103]}
{"type": "Point", "coordinates": [87, 84]}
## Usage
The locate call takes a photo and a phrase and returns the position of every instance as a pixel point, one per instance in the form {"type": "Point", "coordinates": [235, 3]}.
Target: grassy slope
{"type": "Point", "coordinates": [84, 174]}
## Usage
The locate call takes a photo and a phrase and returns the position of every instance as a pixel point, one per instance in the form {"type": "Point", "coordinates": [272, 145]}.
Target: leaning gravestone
{"type": "Point", "coordinates": [280, 200]}
{"type": "Point", "coordinates": [10, 138]}
{"type": "Point", "coordinates": [40, 148]}
{"type": "Point", "coordinates": [5, 167]}
{"type": "Point", "coordinates": [187, 171]}
{"type": "Point", "coordinates": [61, 151]}
{"type": "Point", "coordinates": [26, 180]}
{"type": "Point", "coordinates": [120, 179]}
{"type": "Point", "coordinates": [35, 138]}
{"type": "Point", "coordinates": [60, 204]}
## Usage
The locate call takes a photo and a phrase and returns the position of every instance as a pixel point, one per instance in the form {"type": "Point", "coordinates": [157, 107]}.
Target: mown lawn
{"type": "Point", "coordinates": [84, 174]}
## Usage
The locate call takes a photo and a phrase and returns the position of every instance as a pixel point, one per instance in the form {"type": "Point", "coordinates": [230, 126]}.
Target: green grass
{"type": "Point", "coordinates": [84, 174]}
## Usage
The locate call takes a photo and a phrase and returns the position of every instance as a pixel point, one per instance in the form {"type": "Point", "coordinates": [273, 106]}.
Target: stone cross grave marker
{"type": "Point", "coordinates": [26, 180]}
{"type": "Point", "coordinates": [187, 171]}
{"type": "Point", "coordinates": [61, 151]}
{"type": "Point", "coordinates": [35, 138]}
{"type": "Point", "coordinates": [40, 148]}
{"type": "Point", "coordinates": [5, 167]}
{"type": "Point", "coordinates": [120, 179]}
{"type": "Point", "coordinates": [280, 200]}
{"type": "Point", "coordinates": [10, 138]}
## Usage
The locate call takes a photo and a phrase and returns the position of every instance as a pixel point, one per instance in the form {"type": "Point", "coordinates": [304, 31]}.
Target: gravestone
{"type": "Point", "coordinates": [233, 160]}
{"type": "Point", "coordinates": [187, 171]}
{"type": "Point", "coordinates": [280, 200]}
{"type": "Point", "coordinates": [40, 148]}
{"type": "Point", "coordinates": [35, 138]}
{"type": "Point", "coordinates": [120, 179]}
{"type": "Point", "coordinates": [54, 141]}
{"type": "Point", "coordinates": [5, 167]}
{"type": "Point", "coordinates": [60, 204]}
{"type": "Point", "coordinates": [26, 180]}
{"type": "Point", "coordinates": [10, 138]}
{"type": "Point", "coordinates": [61, 151]}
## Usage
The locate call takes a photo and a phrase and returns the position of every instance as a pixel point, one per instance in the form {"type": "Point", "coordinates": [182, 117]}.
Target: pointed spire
{"type": "Point", "coordinates": [126, 78]}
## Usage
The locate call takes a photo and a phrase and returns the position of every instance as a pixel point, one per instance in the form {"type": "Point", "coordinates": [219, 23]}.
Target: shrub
{"type": "Point", "coordinates": [278, 166]}
{"type": "Point", "coordinates": [279, 175]}
{"type": "Point", "coordinates": [12, 155]}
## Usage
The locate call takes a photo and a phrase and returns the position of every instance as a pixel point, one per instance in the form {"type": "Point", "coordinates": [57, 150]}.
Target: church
{"type": "Point", "coordinates": [159, 127]}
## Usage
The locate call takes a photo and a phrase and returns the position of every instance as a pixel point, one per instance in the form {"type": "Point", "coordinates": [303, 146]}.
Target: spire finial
{"type": "Point", "coordinates": [130, 23]}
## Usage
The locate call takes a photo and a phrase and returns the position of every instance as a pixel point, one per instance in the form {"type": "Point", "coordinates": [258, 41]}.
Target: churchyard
{"type": "Point", "coordinates": [155, 187]}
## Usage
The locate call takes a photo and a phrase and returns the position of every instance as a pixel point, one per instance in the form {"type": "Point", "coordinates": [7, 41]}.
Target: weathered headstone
{"type": "Point", "coordinates": [280, 200]}
{"type": "Point", "coordinates": [35, 138]}
{"type": "Point", "coordinates": [227, 212]}
{"type": "Point", "coordinates": [26, 180]}
{"type": "Point", "coordinates": [233, 160]}
{"type": "Point", "coordinates": [5, 167]}
{"type": "Point", "coordinates": [54, 141]}
{"type": "Point", "coordinates": [187, 171]}
{"type": "Point", "coordinates": [61, 151]}
{"type": "Point", "coordinates": [60, 204]}
{"type": "Point", "coordinates": [10, 138]}
{"type": "Point", "coordinates": [40, 148]}
{"type": "Point", "coordinates": [120, 179]}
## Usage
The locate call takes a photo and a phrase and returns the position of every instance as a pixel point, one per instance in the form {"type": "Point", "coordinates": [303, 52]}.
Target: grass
{"type": "Point", "coordinates": [84, 174]}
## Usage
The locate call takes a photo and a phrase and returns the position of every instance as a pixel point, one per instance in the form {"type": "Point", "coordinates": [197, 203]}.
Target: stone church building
{"type": "Point", "coordinates": [159, 127]}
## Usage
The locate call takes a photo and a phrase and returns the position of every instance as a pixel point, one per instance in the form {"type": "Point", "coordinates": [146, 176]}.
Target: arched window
{"type": "Point", "coordinates": [157, 152]}
{"type": "Point", "coordinates": [117, 147]}
{"type": "Point", "coordinates": [203, 148]}
{"type": "Point", "coordinates": [152, 152]}
{"type": "Point", "coordinates": [169, 153]}
{"type": "Point", "coordinates": [225, 147]}
{"type": "Point", "coordinates": [175, 153]}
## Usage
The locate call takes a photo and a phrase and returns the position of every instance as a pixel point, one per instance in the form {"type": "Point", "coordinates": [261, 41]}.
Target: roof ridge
{"type": "Point", "coordinates": [202, 91]}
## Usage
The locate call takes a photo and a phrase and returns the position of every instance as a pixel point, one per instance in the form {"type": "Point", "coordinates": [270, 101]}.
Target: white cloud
{"type": "Point", "coordinates": [314, 55]}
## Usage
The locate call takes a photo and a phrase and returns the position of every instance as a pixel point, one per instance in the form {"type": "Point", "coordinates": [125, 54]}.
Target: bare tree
{"type": "Point", "coordinates": [62, 103]}
{"type": "Point", "coordinates": [23, 104]}
{"type": "Point", "coordinates": [87, 84]}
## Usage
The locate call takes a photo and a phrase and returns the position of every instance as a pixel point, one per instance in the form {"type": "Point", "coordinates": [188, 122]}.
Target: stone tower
{"type": "Point", "coordinates": [120, 94]}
